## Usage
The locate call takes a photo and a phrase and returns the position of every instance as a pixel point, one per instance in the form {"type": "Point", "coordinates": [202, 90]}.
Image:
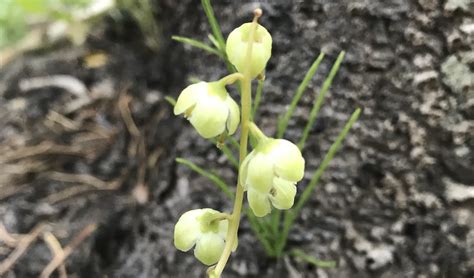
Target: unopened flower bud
{"type": "Point", "coordinates": [209, 108]}
{"type": "Point", "coordinates": [237, 45]}
{"type": "Point", "coordinates": [269, 174]}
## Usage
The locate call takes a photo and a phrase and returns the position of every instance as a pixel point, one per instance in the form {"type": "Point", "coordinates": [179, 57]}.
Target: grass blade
{"type": "Point", "coordinates": [283, 122]}
{"type": "Point", "coordinates": [319, 101]}
{"type": "Point", "coordinates": [170, 100]}
{"type": "Point", "coordinates": [216, 29]}
{"type": "Point", "coordinates": [234, 142]}
{"type": "Point", "coordinates": [327, 159]}
{"type": "Point", "coordinates": [213, 177]}
{"type": "Point", "coordinates": [276, 218]}
{"type": "Point", "coordinates": [230, 156]}
{"type": "Point", "coordinates": [217, 35]}
{"type": "Point", "coordinates": [197, 44]}
{"type": "Point", "coordinates": [291, 215]}
{"type": "Point", "coordinates": [260, 232]}
{"type": "Point", "coordinates": [215, 42]}
{"type": "Point", "coordinates": [298, 253]}
{"type": "Point", "coordinates": [258, 97]}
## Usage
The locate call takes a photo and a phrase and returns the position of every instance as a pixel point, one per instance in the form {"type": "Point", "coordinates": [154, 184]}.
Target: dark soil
{"type": "Point", "coordinates": [397, 201]}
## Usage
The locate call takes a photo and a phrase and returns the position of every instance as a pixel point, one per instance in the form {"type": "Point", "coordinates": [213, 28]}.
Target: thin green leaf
{"type": "Point", "coordinates": [228, 153]}
{"type": "Point", "coordinates": [197, 44]}
{"type": "Point", "coordinates": [260, 232]}
{"type": "Point", "coordinates": [171, 100]}
{"type": "Point", "coordinates": [291, 215]}
{"type": "Point", "coordinates": [319, 101]}
{"type": "Point", "coordinates": [298, 253]}
{"type": "Point", "coordinates": [216, 29]}
{"type": "Point", "coordinates": [276, 218]}
{"type": "Point", "coordinates": [215, 42]}
{"type": "Point", "coordinates": [217, 35]}
{"type": "Point", "coordinates": [213, 177]}
{"type": "Point", "coordinates": [258, 96]}
{"type": "Point", "coordinates": [283, 122]}
{"type": "Point", "coordinates": [193, 80]}
{"type": "Point", "coordinates": [234, 142]}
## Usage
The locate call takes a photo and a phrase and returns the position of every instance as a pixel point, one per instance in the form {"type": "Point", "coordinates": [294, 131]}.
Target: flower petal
{"type": "Point", "coordinates": [234, 115]}
{"type": "Point", "coordinates": [260, 173]}
{"type": "Point", "coordinates": [209, 116]}
{"type": "Point", "coordinates": [244, 169]}
{"type": "Point", "coordinates": [283, 193]}
{"type": "Point", "coordinates": [189, 97]}
{"type": "Point", "coordinates": [187, 230]}
{"type": "Point", "coordinates": [209, 248]}
{"type": "Point", "coordinates": [289, 163]}
{"type": "Point", "coordinates": [258, 202]}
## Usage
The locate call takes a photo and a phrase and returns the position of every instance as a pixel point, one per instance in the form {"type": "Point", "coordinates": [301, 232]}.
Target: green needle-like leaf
{"type": "Point", "coordinates": [230, 156]}
{"type": "Point", "coordinates": [260, 232]}
{"type": "Point", "coordinates": [291, 215]}
{"type": "Point", "coordinates": [170, 100]}
{"type": "Point", "coordinates": [312, 260]}
{"type": "Point", "coordinates": [216, 29]}
{"type": "Point", "coordinates": [215, 42]}
{"type": "Point", "coordinates": [283, 122]}
{"type": "Point", "coordinates": [319, 101]}
{"type": "Point", "coordinates": [213, 177]}
{"type": "Point", "coordinates": [258, 97]}
{"type": "Point", "coordinates": [197, 44]}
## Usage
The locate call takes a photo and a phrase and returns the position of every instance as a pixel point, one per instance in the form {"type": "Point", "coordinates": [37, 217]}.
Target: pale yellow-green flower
{"type": "Point", "coordinates": [236, 48]}
{"type": "Point", "coordinates": [209, 108]}
{"type": "Point", "coordinates": [203, 229]}
{"type": "Point", "coordinates": [269, 175]}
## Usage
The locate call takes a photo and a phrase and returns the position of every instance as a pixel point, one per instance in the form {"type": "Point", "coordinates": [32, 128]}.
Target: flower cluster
{"type": "Point", "coordinates": [268, 174]}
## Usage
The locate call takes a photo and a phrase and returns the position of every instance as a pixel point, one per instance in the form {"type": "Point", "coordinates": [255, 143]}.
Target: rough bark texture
{"type": "Point", "coordinates": [397, 201]}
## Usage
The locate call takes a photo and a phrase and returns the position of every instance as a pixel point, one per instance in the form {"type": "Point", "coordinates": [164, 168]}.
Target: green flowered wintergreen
{"type": "Point", "coordinates": [237, 44]}
{"type": "Point", "coordinates": [270, 172]}
{"type": "Point", "coordinates": [205, 229]}
{"type": "Point", "coordinates": [209, 108]}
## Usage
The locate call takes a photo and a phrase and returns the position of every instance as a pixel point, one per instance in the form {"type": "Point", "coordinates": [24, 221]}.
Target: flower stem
{"type": "Point", "coordinates": [231, 78]}
{"type": "Point", "coordinates": [246, 105]}
{"type": "Point", "coordinates": [256, 132]}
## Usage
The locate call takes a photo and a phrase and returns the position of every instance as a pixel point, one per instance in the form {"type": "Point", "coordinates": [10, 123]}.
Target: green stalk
{"type": "Point", "coordinates": [216, 30]}
{"type": "Point", "coordinates": [246, 106]}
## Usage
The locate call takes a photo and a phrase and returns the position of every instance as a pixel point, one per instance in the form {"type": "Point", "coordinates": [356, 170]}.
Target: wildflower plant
{"type": "Point", "coordinates": [269, 174]}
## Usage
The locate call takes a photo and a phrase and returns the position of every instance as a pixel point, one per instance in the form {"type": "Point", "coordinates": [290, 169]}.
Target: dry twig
{"type": "Point", "coordinates": [7, 238]}
{"type": "Point", "coordinates": [56, 250]}
{"type": "Point", "coordinates": [60, 258]}
{"type": "Point", "coordinates": [78, 178]}
{"type": "Point", "coordinates": [20, 249]}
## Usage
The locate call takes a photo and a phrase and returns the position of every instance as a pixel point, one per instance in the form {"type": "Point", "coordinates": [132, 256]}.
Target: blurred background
{"type": "Point", "coordinates": [89, 186]}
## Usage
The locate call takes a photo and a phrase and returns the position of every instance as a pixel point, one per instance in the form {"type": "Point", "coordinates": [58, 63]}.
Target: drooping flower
{"type": "Point", "coordinates": [201, 228]}
{"type": "Point", "coordinates": [209, 108]}
{"type": "Point", "coordinates": [237, 44]}
{"type": "Point", "coordinates": [270, 173]}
